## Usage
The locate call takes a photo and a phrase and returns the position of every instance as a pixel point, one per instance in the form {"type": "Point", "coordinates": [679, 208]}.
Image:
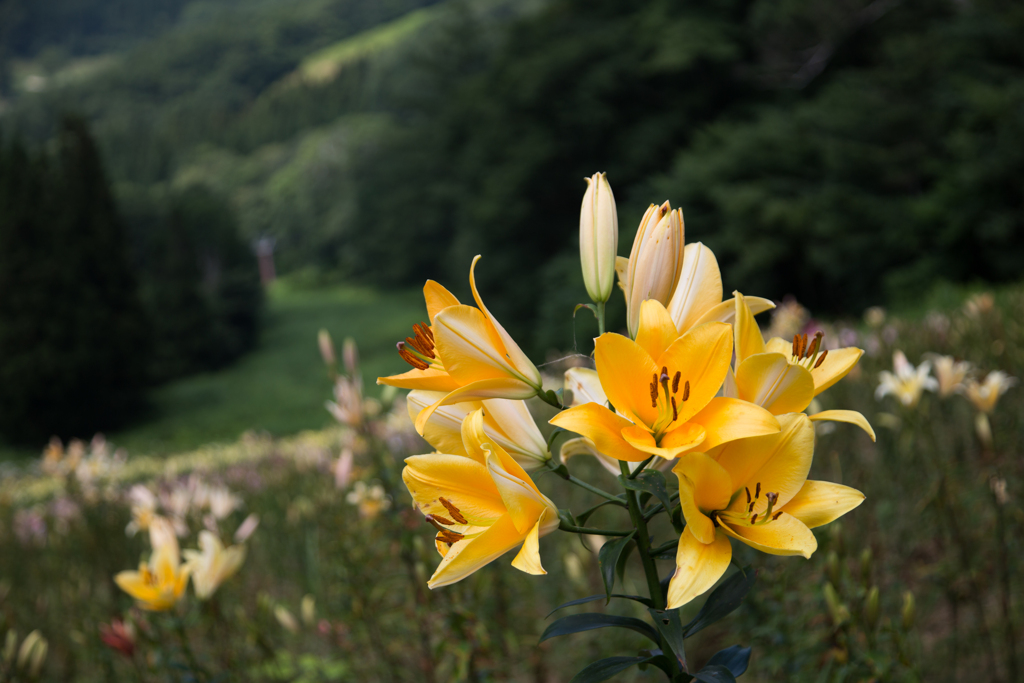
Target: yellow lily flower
{"type": "Point", "coordinates": [464, 352]}
{"type": "Point", "coordinates": [158, 585]}
{"type": "Point", "coordinates": [507, 423]}
{"type": "Point", "coordinates": [583, 385]}
{"type": "Point", "coordinates": [483, 505]}
{"type": "Point", "coordinates": [757, 492]}
{"type": "Point", "coordinates": [697, 298]}
{"type": "Point", "coordinates": [784, 377]}
{"type": "Point", "coordinates": [213, 564]}
{"type": "Point", "coordinates": [950, 373]}
{"type": "Point", "coordinates": [664, 388]}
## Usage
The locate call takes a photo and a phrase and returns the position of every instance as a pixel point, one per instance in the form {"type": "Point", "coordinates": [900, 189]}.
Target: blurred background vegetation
{"type": "Point", "coordinates": [852, 153]}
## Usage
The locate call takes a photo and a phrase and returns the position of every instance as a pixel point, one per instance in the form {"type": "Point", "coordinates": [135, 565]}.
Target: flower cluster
{"type": "Point", "coordinates": [692, 387]}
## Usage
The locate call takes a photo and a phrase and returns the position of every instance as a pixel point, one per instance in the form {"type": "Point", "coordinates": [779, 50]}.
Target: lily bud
{"type": "Point", "coordinates": [599, 238]}
{"type": "Point", "coordinates": [908, 610]}
{"type": "Point", "coordinates": [655, 263]}
{"type": "Point", "coordinates": [323, 340]}
{"type": "Point", "coordinates": [865, 566]}
{"type": "Point", "coordinates": [308, 610]}
{"type": "Point", "coordinates": [871, 608]}
{"type": "Point", "coordinates": [832, 567]}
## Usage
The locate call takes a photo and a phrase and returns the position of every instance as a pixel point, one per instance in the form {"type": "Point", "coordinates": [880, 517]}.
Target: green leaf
{"type": "Point", "coordinates": [670, 625]}
{"type": "Point", "coordinates": [652, 482]}
{"type": "Point", "coordinates": [714, 674]}
{"type": "Point", "coordinates": [592, 307]}
{"type": "Point", "coordinates": [592, 598]}
{"type": "Point", "coordinates": [723, 600]}
{"type": "Point", "coordinates": [577, 623]}
{"type": "Point", "coordinates": [620, 565]}
{"type": "Point", "coordinates": [603, 669]}
{"type": "Point", "coordinates": [608, 557]}
{"type": "Point", "coordinates": [735, 659]}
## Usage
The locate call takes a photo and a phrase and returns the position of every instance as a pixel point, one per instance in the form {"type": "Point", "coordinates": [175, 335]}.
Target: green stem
{"type": "Point", "coordinates": [641, 467]}
{"type": "Point", "coordinates": [197, 671]}
{"type": "Point", "coordinates": [664, 547]}
{"type": "Point", "coordinates": [565, 526]}
{"type": "Point", "coordinates": [600, 318]}
{"type": "Point", "coordinates": [563, 472]}
{"type": "Point", "coordinates": [643, 545]}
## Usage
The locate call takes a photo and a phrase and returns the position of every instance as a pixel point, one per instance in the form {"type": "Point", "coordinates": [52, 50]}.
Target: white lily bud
{"type": "Point", "coordinates": [599, 238]}
{"type": "Point", "coordinates": [655, 262]}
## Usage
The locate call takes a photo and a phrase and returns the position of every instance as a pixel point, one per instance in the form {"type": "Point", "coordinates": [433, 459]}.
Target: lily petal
{"type": "Point", "coordinates": [468, 555]}
{"type": "Point", "coordinates": [786, 535]}
{"type": "Point", "coordinates": [464, 481]}
{"type": "Point", "coordinates": [585, 386]}
{"type": "Point", "coordinates": [444, 429]}
{"type": "Point", "coordinates": [428, 380]}
{"type": "Point", "coordinates": [684, 438]}
{"type": "Point", "coordinates": [625, 368]}
{"type": "Point", "coordinates": [849, 416]}
{"type": "Point", "coordinates": [528, 558]}
{"type": "Point", "coordinates": [584, 446]}
{"type": "Point", "coordinates": [469, 345]}
{"type": "Point", "coordinates": [770, 381]}
{"type": "Point", "coordinates": [524, 504]}
{"type": "Point", "coordinates": [602, 427]}
{"type": "Point", "coordinates": [778, 462]}
{"type": "Point", "coordinates": [748, 335]}
{"type": "Point", "coordinates": [702, 356]}
{"type": "Point", "coordinates": [821, 502]}
{"type": "Point", "coordinates": [699, 566]}
{"type": "Point", "coordinates": [727, 419]}
{"type": "Point", "coordinates": [699, 288]}
{"type": "Point", "coordinates": [524, 366]}
{"type": "Point", "coordinates": [836, 365]}
{"type": "Point", "coordinates": [657, 331]}
{"type": "Point", "coordinates": [704, 486]}
{"type": "Point", "coordinates": [438, 298]}
{"type": "Point", "coordinates": [514, 420]}
{"type": "Point", "coordinates": [725, 312]}
{"type": "Point", "coordinates": [500, 387]}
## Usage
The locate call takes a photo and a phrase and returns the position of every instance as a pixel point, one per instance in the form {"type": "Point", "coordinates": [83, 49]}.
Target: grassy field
{"type": "Point", "coordinates": [280, 387]}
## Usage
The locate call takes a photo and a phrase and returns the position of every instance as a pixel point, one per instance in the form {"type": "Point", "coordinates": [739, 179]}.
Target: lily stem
{"type": "Point", "coordinates": [643, 544]}
{"type": "Point", "coordinates": [600, 318]}
{"type": "Point", "coordinates": [563, 472]}
{"type": "Point", "coordinates": [564, 526]}
{"type": "Point", "coordinates": [641, 466]}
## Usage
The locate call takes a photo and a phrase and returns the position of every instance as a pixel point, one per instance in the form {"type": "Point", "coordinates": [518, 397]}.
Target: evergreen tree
{"type": "Point", "coordinates": [73, 334]}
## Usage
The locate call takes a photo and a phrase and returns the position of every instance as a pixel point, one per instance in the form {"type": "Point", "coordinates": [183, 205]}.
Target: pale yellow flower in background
{"type": "Point", "coordinates": [143, 505]}
{"type": "Point", "coordinates": [508, 423]}
{"type": "Point", "coordinates": [483, 505]}
{"type": "Point", "coordinates": [950, 373]}
{"type": "Point", "coordinates": [599, 238]}
{"type": "Point", "coordinates": [654, 265]}
{"type": "Point", "coordinates": [213, 564]}
{"type": "Point", "coordinates": [756, 491]}
{"type": "Point", "coordinates": [985, 394]}
{"type": "Point", "coordinates": [906, 382]}
{"type": "Point", "coordinates": [371, 500]}
{"type": "Point", "coordinates": [222, 502]}
{"type": "Point", "coordinates": [158, 585]}
{"type": "Point", "coordinates": [979, 304]}
{"type": "Point", "coordinates": [465, 353]}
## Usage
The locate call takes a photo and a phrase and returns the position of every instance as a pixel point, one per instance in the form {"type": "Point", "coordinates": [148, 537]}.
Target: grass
{"type": "Point", "coordinates": [281, 386]}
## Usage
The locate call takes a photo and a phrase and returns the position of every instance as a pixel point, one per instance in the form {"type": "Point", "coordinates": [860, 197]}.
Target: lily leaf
{"type": "Point", "coordinates": [735, 659]}
{"type": "Point", "coordinates": [603, 669]}
{"type": "Point", "coordinates": [591, 307]}
{"type": "Point", "coordinates": [723, 600]}
{"type": "Point", "coordinates": [714, 674]}
{"type": "Point", "coordinates": [670, 625]}
{"type": "Point", "coordinates": [577, 623]}
{"type": "Point", "coordinates": [585, 515]}
{"type": "Point", "coordinates": [651, 482]}
{"type": "Point", "coordinates": [592, 598]}
{"type": "Point", "coordinates": [608, 558]}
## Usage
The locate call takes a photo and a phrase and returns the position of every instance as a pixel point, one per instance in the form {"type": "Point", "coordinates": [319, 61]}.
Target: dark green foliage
{"type": "Point", "coordinates": [200, 280]}
{"type": "Point", "coordinates": [73, 334]}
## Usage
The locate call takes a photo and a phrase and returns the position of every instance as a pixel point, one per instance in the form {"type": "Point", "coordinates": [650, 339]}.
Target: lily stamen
{"type": "Point", "coordinates": [453, 511]}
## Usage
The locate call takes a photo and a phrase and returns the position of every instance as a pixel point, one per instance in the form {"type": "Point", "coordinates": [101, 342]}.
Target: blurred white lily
{"type": "Point", "coordinates": [906, 382]}
{"type": "Point", "coordinates": [985, 394]}
{"type": "Point", "coordinates": [950, 373]}
{"type": "Point", "coordinates": [213, 564]}
{"type": "Point", "coordinates": [371, 500]}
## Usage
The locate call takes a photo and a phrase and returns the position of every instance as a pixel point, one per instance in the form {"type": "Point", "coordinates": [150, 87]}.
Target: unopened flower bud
{"type": "Point", "coordinates": [871, 608]}
{"type": "Point", "coordinates": [323, 339]}
{"type": "Point", "coordinates": [286, 619]}
{"type": "Point", "coordinates": [599, 238]}
{"type": "Point", "coordinates": [865, 566]}
{"type": "Point", "coordinates": [350, 356]}
{"type": "Point", "coordinates": [836, 607]}
{"type": "Point", "coordinates": [832, 567]}
{"type": "Point", "coordinates": [308, 610]}
{"type": "Point", "coordinates": [909, 611]}
{"type": "Point", "coordinates": [655, 262]}
{"type": "Point", "coordinates": [31, 641]}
